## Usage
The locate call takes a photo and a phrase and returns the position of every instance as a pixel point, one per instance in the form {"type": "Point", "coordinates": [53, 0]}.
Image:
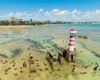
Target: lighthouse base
{"type": "Point", "coordinates": [70, 56]}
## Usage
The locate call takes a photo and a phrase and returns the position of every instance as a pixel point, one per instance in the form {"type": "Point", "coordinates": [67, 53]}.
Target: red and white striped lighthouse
{"type": "Point", "coordinates": [71, 48]}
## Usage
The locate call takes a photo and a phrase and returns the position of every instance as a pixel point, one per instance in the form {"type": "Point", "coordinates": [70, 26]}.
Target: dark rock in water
{"type": "Point", "coordinates": [55, 46]}
{"type": "Point", "coordinates": [58, 69]}
{"type": "Point", "coordinates": [41, 47]}
{"type": "Point", "coordinates": [29, 75]}
{"type": "Point", "coordinates": [15, 74]}
{"type": "Point", "coordinates": [15, 68]}
{"type": "Point", "coordinates": [82, 36]}
{"type": "Point", "coordinates": [82, 72]}
{"type": "Point", "coordinates": [96, 66]}
{"type": "Point", "coordinates": [19, 46]}
{"type": "Point", "coordinates": [46, 68]}
{"type": "Point", "coordinates": [21, 71]}
{"type": "Point", "coordinates": [32, 70]}
{"type": "Point", "coordinates": [3, 55]}
{"type": "Point", "coordinates": [6, 73]}
{"type": "Point", "coordinates": [40, 69]}
{"type": "Point", "coordinates": [35, 44]}
{"type": "Point", "coordinates": [16, 51]}
{"type": "Point", "coordinates": [96, 54]}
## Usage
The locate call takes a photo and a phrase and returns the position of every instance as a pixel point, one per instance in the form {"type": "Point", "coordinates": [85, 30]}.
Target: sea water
{"type": "Point", "coordinates": [45, 33]}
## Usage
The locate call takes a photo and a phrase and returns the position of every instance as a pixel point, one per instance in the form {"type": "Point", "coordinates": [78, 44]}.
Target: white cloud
{"type": "Point", "coordinates": [59, 12]}
{"type": "Point", "coordinates": [64, 12]}
{"type": "Point", "coordinates": [75, 12]}
{"type": "Point", "coordinates": [56, 14]}
{"type": "Point", "coordinates": [41, 10]}
{"type": "Point", "coordinates": [97, 11]}
{"type": "Point", "coordinates": [46, 13]}
{"type": "Point", "coordinates": [55, 11]}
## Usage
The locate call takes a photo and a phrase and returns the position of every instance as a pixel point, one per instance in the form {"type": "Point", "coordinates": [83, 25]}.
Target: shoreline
{"type": "Point", "coordinates": [15, 26]}
{"type": "Point", "coordinates": [20, 26]}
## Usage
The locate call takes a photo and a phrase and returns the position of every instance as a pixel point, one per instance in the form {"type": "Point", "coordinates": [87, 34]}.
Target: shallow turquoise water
{"type": "Point", "coordinates": [90, 30]}
{"type": "Point", "coordinates": [70, 25]}
{"type": "Point", "coordinates": [47, 32]}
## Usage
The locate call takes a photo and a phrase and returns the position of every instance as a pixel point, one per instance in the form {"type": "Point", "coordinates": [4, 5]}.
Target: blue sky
{"type": "Point", "coordinates": [33, 6]}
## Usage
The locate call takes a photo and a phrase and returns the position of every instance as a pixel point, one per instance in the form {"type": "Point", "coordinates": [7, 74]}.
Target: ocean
{"type": "Point", "coordinates": [45, 33]}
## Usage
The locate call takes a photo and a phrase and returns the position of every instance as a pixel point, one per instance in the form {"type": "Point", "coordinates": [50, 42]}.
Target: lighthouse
{"type": "Point", "coordinates": [73, 32]}
{"type": "Point", "coordinates": [71, 51]}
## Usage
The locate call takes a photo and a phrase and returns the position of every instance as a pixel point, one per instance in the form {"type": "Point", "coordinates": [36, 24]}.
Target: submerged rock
{"type": "Point", "coordinates": [82, 36]}
{"type": "Point", "coordinates": [14, 48]}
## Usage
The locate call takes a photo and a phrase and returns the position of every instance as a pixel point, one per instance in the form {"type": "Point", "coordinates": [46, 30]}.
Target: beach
{"type": "Point", "coordinates": [17, 43]}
